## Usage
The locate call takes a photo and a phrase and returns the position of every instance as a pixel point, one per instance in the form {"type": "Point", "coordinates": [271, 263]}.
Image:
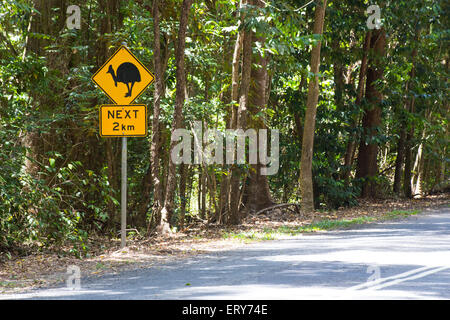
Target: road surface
{"type": "Point", "coordinates": [403, 259]}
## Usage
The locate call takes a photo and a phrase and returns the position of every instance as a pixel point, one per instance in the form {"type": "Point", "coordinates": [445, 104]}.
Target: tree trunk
{"type": "Point", "coordinates": [167, 210]}
{"type": "Point", "coordinates": [234, 195]}
{"type": "Point", "coordinates": [184, 171]}
{"type": "Point", "coordinates": [404, 137]}
{"type": "Point", "coordinates": [45, 22]}
{"type": "Point", "coordinates": [40, 24]}
{"type": "Point", "coordinates": [224, 201]}
{"type": "Point", "coordinates": [399, 161]}
{"type": "Point", "coordinates": [111, 161]}
{"type": "Point", "coordinates": [338, 75]}
{"type": "Point", "coordinates": [199, 190]}
{"type": "Point", "coordinates": [202, 190]}
{"type": "Point", "coordinates": [351, 144]}
{"type": "Point", "coordinates": [419, 166]}
{"type": "Point", "coordinates": [407, 175]}
{"type": "Point", "coordinates": [143, 204]}
{"type": "Point", "coordinates": [257, 195]}
{"type": "Point", "coordinates": [306, 182]}
{"type": "Point", "coordinates": [367, 166]}
{"type": "Point", "coordinates": [212, 192]}
{"type": "Point", "coordinates": [235, 74]}
{"type": "Point", "coordinates": [155, 142]}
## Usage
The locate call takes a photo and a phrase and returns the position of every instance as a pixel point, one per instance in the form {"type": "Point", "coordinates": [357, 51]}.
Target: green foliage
{"type": "Point", "coordinates": [54, 209]}
{"type": "Point", "coordinates": [59, 181]}
{"type": "Point", "coordinates": [47, 196]}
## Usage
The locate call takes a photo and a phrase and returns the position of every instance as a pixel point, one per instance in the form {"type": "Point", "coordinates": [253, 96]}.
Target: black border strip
{"type": "Point", "coordinates": [277, 309]}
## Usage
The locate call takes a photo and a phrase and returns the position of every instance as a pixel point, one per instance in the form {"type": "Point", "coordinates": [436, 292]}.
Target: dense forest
{"type": "Point", "coordinates": [360, 104]}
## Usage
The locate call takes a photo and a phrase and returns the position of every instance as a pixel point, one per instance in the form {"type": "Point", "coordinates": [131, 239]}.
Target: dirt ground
{"type": "Point", "coordinates": [23, 273]}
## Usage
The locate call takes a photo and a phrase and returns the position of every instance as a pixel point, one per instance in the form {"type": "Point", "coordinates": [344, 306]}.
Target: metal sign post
{"type": "Point", "coordinates": [123, 202]}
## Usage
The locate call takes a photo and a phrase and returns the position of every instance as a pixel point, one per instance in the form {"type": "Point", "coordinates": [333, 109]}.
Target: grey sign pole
{"type": "Point", "coordinates": [123, 196]}
{"type": "Point", "coordinates": [123, 202]}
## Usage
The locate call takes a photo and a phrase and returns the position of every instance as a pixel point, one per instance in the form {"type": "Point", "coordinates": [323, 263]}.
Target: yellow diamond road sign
{"type": "Point", "coordinates": [123, 77]}
{"type": "Point", "coordinates": [123, 121]}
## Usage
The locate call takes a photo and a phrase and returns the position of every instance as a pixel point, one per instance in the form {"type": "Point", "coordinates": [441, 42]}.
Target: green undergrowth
{"type": "Point", "coordinates": [323, 225]}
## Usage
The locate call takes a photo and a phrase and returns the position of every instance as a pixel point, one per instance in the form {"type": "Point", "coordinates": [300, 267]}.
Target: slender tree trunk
{"type": "Point", "coordinates": [399, 161]}
{"type": "Point", "coordinates": [407, 175]}
{"type": "Point", "coordinates": [184, 171]}
{"type": "Point", "coordinates": [306, 181]}
{"type": "Point", "coordinates": [143, 205]}
{"type": "Point", "coordinates": [367, 166]}
{"type": "Point", "coordinates": [235, 74]}
{"type": "Point", "coordinates": [419, 166]}
{"type": "Point", "coordinates": [199, 190]}
{"type": "Point", "coordinates": [159, 93]}
{"type": "Point", "coordinates": [167, 210]}
{"type": "Point", "coordinates": [40, 24]}
{"type": "Point", "coordinates": [225, 191]}
{"type": "Point", "coordinates": [351, 144]}
{"type": "Point", "coordinates": [234, 195]}
{"type": "Point", "coordinates": [190, 181]}
{"type": "Point", "coordinates": [296, 114]}
{"type": "Point", "coordinates": [402, 152]}
{"type": "Point", "coordinates": [338, 75]}
{"type": "Point", "coordinates": [203, 192]}
{"type": "Point", "coordinates": [204, 169]}
{"type": "Point", "coordinates": [225, 97]}
{"type": "Point", "coordinates": [257, 195]}
{"type": "Point", "coordinates": [111, 160]}
{"type": "Point", "coordinates": [212, 183]}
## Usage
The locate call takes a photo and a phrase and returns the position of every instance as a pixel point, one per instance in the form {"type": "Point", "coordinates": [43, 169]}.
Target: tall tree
{"type": "Point", "coordinates": [235, 71]}
{"type": "Point", "coordinates": [367, 165]}
{"type": "Point", "coordinates": [351, 144]}
{"type": "Point", "coordinates": [257, 195]}
{"type": "Point", "coordinates": [167, 210]}
{"type": "Point", "coordinates": [306, 183]}
{"type": "Point", "coordinates": [407, 176]}
{"type": "Point", "coordinates": [159, 92]}
{"type": "Point", "coordinates": [403, 145]}
{"type": "Point", "coordinates": [224, 199]}
{"type": "Point", "coordinates": [41, 23]}
{"type": "Point", "coordinates": [241, 123]}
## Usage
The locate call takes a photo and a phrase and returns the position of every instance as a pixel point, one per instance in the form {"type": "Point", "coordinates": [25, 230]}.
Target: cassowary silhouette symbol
{"type": "Point", "coordinates": [127, 73]}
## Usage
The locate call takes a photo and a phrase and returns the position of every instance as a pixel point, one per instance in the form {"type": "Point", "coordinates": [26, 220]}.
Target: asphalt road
{"type": "Point", "coordinates": [407, 259]}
